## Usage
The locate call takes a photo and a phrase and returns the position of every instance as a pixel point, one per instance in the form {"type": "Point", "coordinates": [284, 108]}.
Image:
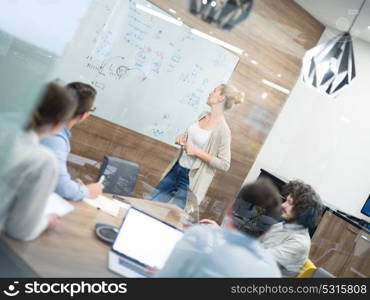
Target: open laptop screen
{"type": "Point", "coordinates": [146, 239]}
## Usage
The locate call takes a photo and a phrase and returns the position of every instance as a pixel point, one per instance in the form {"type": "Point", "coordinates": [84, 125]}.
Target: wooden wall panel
{"type": "Point", "coordinates": [340, 247]}
{"type": "Point", "coordinates": [276, 36]}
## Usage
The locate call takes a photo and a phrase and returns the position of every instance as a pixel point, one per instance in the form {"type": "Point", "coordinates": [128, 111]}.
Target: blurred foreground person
{"type": "Point", "coordinates": [30, 172]}
{"type": "Point", "coordinates": [212, 251]}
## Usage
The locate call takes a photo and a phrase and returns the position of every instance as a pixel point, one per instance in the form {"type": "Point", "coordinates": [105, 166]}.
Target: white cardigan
{"type": "Point", "coordinates": [202, 173]}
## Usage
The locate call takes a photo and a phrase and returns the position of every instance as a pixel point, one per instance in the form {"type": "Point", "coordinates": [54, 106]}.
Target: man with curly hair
{"type": "Point", "coordinates": [289, 241]}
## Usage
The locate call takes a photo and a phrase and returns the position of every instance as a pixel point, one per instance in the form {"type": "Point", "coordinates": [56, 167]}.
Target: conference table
{"type": "Point", "coordinates": [72, 249]}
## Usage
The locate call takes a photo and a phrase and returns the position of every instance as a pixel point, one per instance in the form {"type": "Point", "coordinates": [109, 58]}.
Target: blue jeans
{"type": "Point", "coordinates": [173, 185]}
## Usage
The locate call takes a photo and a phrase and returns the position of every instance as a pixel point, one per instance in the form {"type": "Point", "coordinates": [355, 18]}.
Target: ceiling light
{"type": "Point", "coordinates": [264, 95]}
{"type": "Point", "coordinates": [275, 86]}
{"type": "Point", "coordinates": [159, 15]}
{"type": "Point", "coordinates": [217, 41]}
{"type": "Point", "coordinates": [330, 67]}
{"type": "Point", "coordinates": [225, 14]}
{"type": "Point", "coordinates": [172, 11]}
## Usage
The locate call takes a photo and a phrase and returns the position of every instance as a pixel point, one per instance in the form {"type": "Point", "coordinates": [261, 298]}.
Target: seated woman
{"type": "Point", "coordinates": [205, 149]}
{"type": "Point", "coordinates": [30, 173]}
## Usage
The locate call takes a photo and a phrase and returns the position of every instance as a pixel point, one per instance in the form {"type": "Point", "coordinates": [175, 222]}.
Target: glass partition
{"type": "Point", "coordinates": [24, 69]}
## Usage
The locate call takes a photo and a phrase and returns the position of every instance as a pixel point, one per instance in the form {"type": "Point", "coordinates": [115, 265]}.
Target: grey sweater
{"type": "Point", "coordinates": [289, 245]}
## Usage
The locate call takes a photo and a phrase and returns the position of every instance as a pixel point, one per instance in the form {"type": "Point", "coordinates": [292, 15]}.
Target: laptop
{"type": "Point", "coordinates": [143, 241]}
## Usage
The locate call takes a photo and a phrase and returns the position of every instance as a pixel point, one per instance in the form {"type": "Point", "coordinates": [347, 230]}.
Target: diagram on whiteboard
{"type": "Point", "coordinates": [113, 68]}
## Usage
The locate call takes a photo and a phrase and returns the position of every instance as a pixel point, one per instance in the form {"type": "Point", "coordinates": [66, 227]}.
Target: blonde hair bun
{"type": "Point", "coordinates": [239, 98]}
{"type": "Point", "coordinates": [232, 95]}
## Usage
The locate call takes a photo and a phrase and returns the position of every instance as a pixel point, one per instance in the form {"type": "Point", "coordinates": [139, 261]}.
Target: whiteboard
{"type": "Point", "coordinates": [152, 76]}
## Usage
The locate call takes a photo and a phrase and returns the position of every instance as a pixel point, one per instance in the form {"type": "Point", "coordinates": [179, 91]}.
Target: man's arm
{"type": "Point", "coordinates": [66, 187]}
{"type": "Point", "coordinates": [289, 253]}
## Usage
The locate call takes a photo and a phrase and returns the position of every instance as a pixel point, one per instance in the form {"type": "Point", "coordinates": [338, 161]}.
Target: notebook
{"type": "Point", "coordinates": [110, 206]}
{"type": "Point", "coordinates": [57, 205]}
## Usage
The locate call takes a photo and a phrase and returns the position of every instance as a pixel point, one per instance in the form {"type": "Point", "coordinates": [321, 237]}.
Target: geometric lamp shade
{"type": "Point", "coordinates": [329, 67]}
{"type": "Point", "coordinates": [225, 14]}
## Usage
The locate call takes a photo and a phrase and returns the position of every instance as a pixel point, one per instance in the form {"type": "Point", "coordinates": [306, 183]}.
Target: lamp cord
{"type": "Point", "coordinates": [354, 20]}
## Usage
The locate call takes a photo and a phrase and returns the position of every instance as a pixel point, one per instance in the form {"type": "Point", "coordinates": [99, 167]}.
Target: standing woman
{"type": "Point", "coordinates": [205, 148]}
{"type": "Point", "coordinates": [31, 170]}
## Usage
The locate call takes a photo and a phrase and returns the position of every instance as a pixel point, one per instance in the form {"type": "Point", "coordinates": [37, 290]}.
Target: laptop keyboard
{"type": "Point", "coordinates": [134, 267]}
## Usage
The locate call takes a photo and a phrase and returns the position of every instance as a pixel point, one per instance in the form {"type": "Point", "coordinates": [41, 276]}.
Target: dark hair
{"type": "Point", "coordinates": [55, 106]}
{"type": "Point", "coordinates": [85, 94]}
{"type": "Point", "coordinates": [257, 207]}
{"type": "Point", "coordinates": [307, 206]}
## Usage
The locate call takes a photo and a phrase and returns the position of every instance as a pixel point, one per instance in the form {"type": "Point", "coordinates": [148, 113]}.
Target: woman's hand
{"type": "Point", "coordinates": [191, 150]}
{"type": "Point", "coordinates": [180, 140]}
{"type": "Point", "coordinates": [53, 221]}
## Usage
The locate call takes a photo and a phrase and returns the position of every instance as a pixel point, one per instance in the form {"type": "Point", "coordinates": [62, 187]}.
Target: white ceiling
{"type": "Point", "coordinates": [340, 14]}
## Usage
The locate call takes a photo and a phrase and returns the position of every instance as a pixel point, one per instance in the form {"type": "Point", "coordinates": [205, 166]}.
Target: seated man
{"type": "Point", "coordinates": [289, 241]}
{"type": "Point", "coordinates": [59, 143]}
{"type": "Point", "coordinates": [211, 251]}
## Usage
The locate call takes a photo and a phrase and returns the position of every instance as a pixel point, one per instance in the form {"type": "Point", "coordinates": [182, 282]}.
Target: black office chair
{"type": "Point", "coordinates": [120, 175]}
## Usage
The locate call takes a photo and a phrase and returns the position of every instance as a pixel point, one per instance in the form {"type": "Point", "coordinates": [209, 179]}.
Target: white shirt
{"type": "Point", "coordinates": [207, 251]}
{"type": "Point", "coordinates": [196, 137]}
{"type": "Point", "coordinates": [28, 179]}
{"type": "Point", "coordinates": [289, 244]}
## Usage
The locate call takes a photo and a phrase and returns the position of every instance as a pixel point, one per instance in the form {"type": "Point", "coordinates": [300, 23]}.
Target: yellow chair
{"type": "Point", "coordinates": [307, 269]}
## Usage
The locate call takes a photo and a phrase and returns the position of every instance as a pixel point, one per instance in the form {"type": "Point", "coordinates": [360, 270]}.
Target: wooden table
{"type": "Point", "coordinates": [73, 250]}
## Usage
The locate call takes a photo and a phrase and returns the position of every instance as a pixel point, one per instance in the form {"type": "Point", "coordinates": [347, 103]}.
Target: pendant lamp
{"type": "Point", "coordinates": [225, 14]}
{"type": "Point", "coordinates": [330, 67]}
